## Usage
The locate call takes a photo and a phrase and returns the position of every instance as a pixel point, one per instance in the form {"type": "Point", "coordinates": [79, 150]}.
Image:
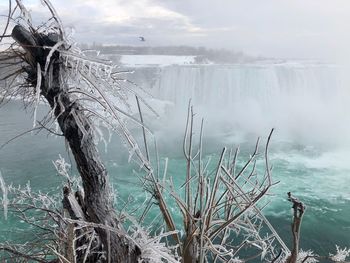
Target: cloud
{"type": "Point", "coordinates": [288, 28]}
{"type": "Point", "coordinates": [121, 22]}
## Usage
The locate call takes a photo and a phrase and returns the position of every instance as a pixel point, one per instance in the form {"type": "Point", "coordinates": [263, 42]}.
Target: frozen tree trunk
{"type": "Point", "coordinates": [77, 130]}
{"type": "Point", "coordinates": [298, 212]}
{"type": "Point", "coordinates": [191, 251]}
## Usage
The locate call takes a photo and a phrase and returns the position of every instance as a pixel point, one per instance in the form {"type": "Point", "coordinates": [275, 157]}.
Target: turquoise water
{"type": "Point", "coordinates": [318, 175]}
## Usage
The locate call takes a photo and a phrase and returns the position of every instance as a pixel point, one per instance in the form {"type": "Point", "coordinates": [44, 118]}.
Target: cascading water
{"type": "Point", "coordinates": [220, 85]}
{"type": "Point", "coordinates": [292, 97]}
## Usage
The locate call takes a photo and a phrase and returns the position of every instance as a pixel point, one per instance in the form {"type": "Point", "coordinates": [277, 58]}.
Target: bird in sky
{"type": "Point", "coordinates": [142, 39]}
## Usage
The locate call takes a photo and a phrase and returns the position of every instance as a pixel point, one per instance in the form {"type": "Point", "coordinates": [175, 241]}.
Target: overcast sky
{"type": "Point", "coordinates": [273, 28]}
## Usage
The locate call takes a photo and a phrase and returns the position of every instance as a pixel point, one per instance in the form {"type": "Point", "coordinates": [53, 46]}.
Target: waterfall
{"type": "Point", "coordinates": [224, 85]}
{"type": "Point", "coordinates": [299, 99]}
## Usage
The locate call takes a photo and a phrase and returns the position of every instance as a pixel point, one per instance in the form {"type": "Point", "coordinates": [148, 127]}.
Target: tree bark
{"type": "Point", "coordinates": [298, 212]}
{"type": "Point", "coordinates": [77, 130]}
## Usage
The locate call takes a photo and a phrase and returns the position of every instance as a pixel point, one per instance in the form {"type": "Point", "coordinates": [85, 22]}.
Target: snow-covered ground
{"type": "Point", "coordinates": [156, 60]}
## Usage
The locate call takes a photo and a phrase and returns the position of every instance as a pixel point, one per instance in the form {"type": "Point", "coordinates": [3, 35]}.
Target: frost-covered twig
{"type": "Point", "coordinates": [218, 211]}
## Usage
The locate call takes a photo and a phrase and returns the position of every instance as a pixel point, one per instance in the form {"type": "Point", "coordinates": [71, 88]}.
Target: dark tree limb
{"type": "Point", "coordinates": [298, 212]}
{"type": "Point", "coordinates": [78, 132]}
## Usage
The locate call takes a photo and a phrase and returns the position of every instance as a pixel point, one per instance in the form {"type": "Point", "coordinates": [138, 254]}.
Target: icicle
{"type": "Point", "coordinates": [66, 62]}
{"type": "Point", "coordinates": [77, 66]}
{"type": "Point", "coordinates": [131, 153]}
{"type": "Point", "coordinates": [37, 93]}
{"type": "Point", "coordinates": [48, 58]}
{"type": "Point", "coordinates": [100, 136]}
{"type": "Point", "coordinates": [80, 125]}
{"type": "Point", "coordinates": [98, 69]}
{"type": "Point", "coordinates": [90, 67]}
{"type": "Point", "coordinates": [109, 72]}
{"type": "Point", "coordinates": [5, 200]}
{"type": "Point", "coordinates": [82, 67]}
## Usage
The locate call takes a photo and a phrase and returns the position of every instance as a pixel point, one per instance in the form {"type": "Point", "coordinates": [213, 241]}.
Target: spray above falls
{"type": "Point", "coordinates": [303, 100]}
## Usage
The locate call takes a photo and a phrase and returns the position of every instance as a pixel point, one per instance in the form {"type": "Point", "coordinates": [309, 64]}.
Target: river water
{"type": "Point", "coordinates": [309, 151]}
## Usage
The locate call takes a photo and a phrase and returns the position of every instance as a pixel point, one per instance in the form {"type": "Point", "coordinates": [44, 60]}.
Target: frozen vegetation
{"type": "Point", "coordinates": [222, 209]}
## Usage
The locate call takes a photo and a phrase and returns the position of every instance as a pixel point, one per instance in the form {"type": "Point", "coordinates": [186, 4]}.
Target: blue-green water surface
{"type": "Point", "coordinates": [318, 176]}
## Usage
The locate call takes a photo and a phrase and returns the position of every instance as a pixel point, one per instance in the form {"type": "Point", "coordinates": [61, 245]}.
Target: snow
{"type": "Point", "coordinates": [156, 60]}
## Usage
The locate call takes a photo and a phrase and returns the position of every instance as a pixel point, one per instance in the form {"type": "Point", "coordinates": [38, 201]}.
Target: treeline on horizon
{"type": "Point", "coordinates": [202, 54]}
